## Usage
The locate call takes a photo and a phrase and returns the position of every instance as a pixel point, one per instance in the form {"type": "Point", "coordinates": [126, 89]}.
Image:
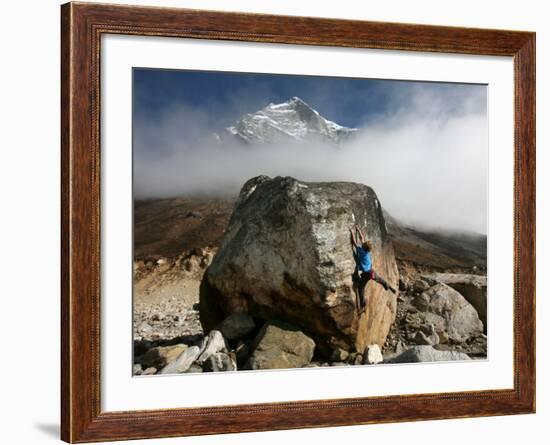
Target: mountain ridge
{"type": "Point", "coordinates": [292, 120]}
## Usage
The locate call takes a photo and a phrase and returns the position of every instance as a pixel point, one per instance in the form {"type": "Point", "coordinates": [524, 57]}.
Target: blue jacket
{"type": "Point", "coordinates": [364, 259]}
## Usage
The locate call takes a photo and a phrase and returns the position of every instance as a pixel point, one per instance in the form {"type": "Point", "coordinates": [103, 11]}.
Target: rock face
{"type": "Point", "coordinates": [286, 255]}
{"type": "Point", "coordinates": [472, 287]}
{"type": "Point", "coordinates": [449, 311]}
{"type": "Point", "coordinates": [280, 345]}
{"type": "Point", "coordinates": [427, 354]}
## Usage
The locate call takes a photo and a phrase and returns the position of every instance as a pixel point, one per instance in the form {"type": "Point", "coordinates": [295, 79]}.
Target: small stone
{"type": "Point", "coordinates": [422, 302]}
{"type": "Point", "coordinates": [219, 362]}
{"type": "Point", "coordinates": [215, 343]}
{"type": "Point", "coordinates": [149, 371]}
{"type": "Point", "coordinates": [373, 355]}
{"type": "Point", "coordinates": [400, 347]}
{"type": "Point", "coordinates": [339, 355]}
{"type": "Point", "coordinates": [420, 285]}
{"type": "Point", "coordinates": [160, 356]}
{"type": "Point", "coordinates": [422, 339]}
{"type": "Point", "coordinates": [137, 369]}
{"type": "Point", "coordinates": [183, 362]}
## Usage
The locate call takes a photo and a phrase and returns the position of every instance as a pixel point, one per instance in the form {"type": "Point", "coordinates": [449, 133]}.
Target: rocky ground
{"type": "Point", "coordinates": [414, 325]}
{"type": "Point", "coordinates": [440, 312]}
{"type": "Point", "coordinates": [168, 337]}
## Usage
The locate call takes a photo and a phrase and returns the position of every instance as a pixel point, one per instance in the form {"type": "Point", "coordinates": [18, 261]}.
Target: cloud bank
{"type": "Point", "coordinates": [426, 159]}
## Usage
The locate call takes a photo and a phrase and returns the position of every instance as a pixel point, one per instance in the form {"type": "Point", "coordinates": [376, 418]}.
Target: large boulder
{"type": "Point", "coordinates": [280, 345]}
{"type": "Point", "coordinates": [472, 287]}
{"type": "Point", "coordinates": [448, 311]}
{"type": "Point", "coordinates": [286, 255]}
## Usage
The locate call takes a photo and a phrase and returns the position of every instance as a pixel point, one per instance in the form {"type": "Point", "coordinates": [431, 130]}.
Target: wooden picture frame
{"type": "Point", "coordinates": [82, 26]}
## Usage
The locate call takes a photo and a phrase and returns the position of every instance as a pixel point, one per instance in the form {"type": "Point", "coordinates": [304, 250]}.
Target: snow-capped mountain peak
{"type": "Point", "coordinates": [293, 119]}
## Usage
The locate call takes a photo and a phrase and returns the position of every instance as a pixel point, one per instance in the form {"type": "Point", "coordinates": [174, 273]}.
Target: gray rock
{"type": "Point", "coordinates": [449, 311]}
{"type": "Point", "coordinates": [472, 287]}
{"type": "Point", "coordinates": [286, 255]}
{"type": "Point", "coordinates": [237, 325]}
{"type": "Point", "coordinates": [420, 285]}
{"type": "Point", "coordinates": [193, 369]}
{"type": "Point", "coordinates": [400, 347]}
{"type": "Point", "coordinates": [422, 339]}
{"type": "Point", "coordinates": [280, 345]}
{"type": "Point", "coordinates": [160, 356]}
{"type": "Point", "coordinates": [422, 302]}
{"type": "Point", "coordinates": [137, 370]}
{"type": "Point", "coordinates": [215, 343]}
{"type": "Point", "coordinates": [373, 355]}
{"type": "Point", "coordinates": [339, 355]}
{"type": "Point", "coordinates": [219, 362]}
{"type": "Point", "coordinates": [427, 354]}
{"type": "Point", "coordinates": [183, 362]}
{"type": "Point", "coordinates": [426, 336]}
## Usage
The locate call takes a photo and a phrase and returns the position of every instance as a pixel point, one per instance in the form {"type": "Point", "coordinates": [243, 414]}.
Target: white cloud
{"type": "Point", "coordinates": [428, 165]}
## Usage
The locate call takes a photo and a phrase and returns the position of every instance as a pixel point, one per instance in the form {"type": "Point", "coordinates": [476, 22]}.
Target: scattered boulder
{"type": "Point", "coordinates": [280, 345]}
{"type": "Point", "coordinates": [160, 356]}
{"type": "Point", "coordinates": [183, 362]}
{"type": "Point", "coordinates": [373, 355]}
{"type": "Point", "coordinates": [211, 345]}
{"type": "Point", "coordinates": [427, 336]}
{"type": "Point", "coordinates": [426, 353]}
{"type": "Point", "coordinates": [449, 311]}
{"type": "Point", "coordinates": [285, 255]}
{"type": "Point", "coordinates": [237, 326]}
{"type": "Point", "coordinates": [422, 339]}
{"type": "Point", "coordinates": [472, 287]}
{"type": "Point", "coordinates": [420, 286]}
{"type": "Point", "coordinates": [339, 355]}
{"type": "Point", "coordinates": [219, 362]}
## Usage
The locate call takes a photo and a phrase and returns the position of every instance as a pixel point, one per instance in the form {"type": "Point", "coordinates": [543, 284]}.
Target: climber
{"type": "Point", "coordinates": [363, 269]}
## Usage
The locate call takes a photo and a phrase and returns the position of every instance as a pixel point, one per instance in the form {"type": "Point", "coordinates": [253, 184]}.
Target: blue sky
{"type": "Point", "coordinates": [227, 96]}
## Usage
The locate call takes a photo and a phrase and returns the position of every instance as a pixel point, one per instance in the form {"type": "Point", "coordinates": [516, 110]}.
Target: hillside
{"type": "Point", "coordinates": [169, 227]}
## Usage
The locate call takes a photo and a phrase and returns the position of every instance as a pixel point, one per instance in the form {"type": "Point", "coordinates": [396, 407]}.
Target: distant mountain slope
{"type": "Point", "coordinates": [168, 227]}
{"type": "Point", "coordinates": [439, 249]}
{"type": "Point", "coordinates": [292, 120]}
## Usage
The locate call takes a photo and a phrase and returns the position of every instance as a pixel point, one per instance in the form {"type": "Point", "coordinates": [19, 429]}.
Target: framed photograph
{"type": "Point", "coordinates": [274, 222]}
